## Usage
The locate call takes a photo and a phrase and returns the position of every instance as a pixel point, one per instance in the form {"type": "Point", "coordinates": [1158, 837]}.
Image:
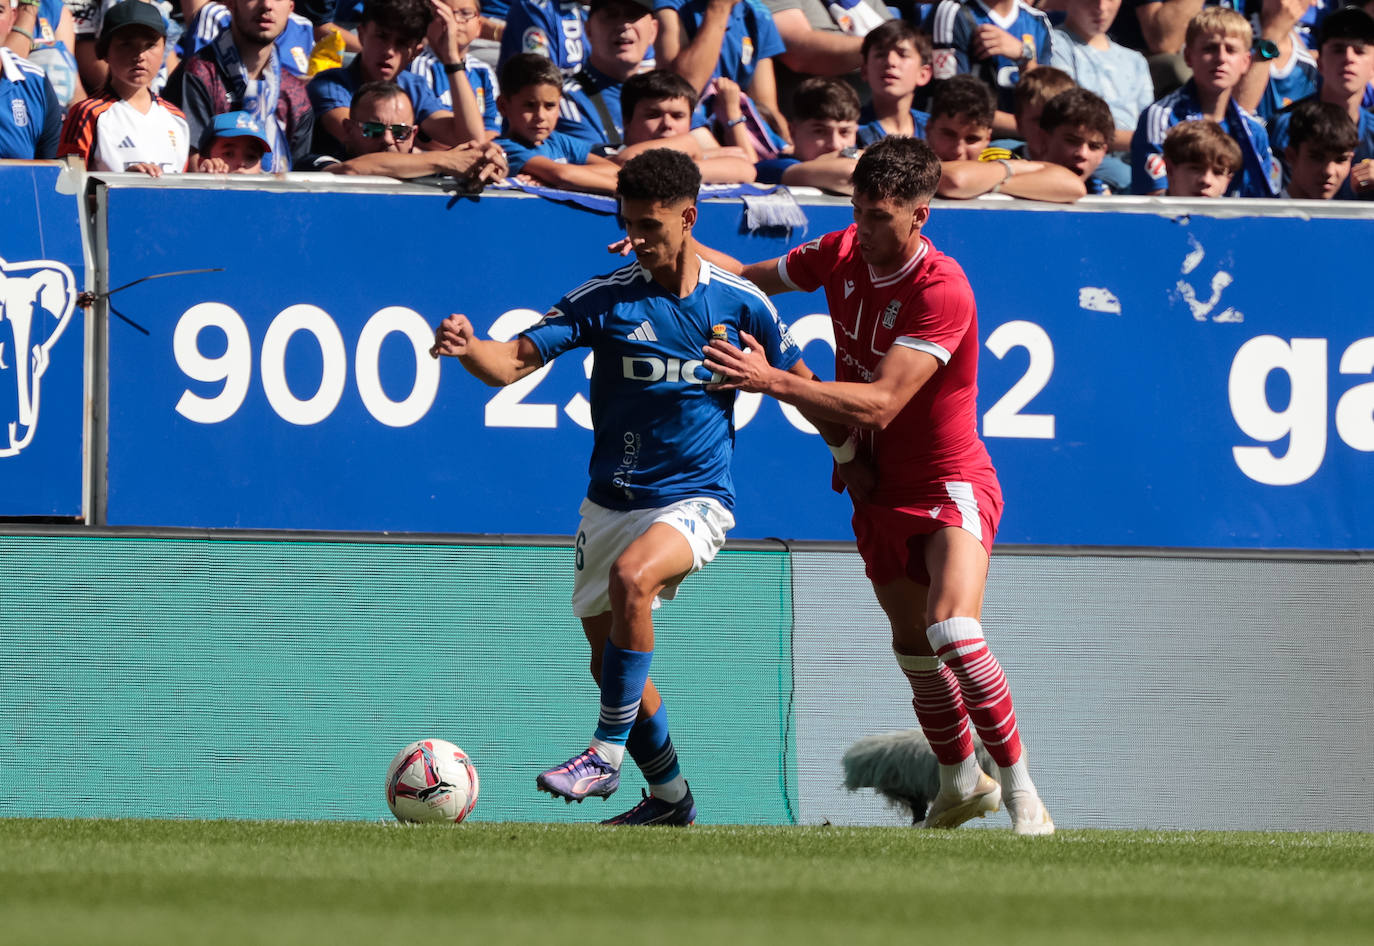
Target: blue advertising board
{"type": "Point", "coordinates": [1147, 379]}
{"type": "Point", "coordinates": [42, 341]}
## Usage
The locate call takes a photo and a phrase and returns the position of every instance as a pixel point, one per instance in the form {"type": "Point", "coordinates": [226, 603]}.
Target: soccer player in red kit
{"type": "Point", "coordinates": [901, 420]}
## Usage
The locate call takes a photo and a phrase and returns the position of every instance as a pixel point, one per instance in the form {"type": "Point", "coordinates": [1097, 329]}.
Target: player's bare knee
{"type": "Point", "coordinates": [630, 585]}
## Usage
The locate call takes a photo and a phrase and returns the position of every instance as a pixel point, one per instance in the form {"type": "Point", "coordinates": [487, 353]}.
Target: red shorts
{"type": "Point", "coordinates": [892, 539]}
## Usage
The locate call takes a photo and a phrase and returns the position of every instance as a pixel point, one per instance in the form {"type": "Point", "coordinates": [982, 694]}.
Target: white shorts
{"type": "Point", "coordinates": [606, 533]}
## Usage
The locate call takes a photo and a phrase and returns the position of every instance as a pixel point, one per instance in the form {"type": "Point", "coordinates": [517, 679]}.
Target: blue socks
{"type": "Point", "coordinates": [652, 748]}
{"type": "Point", "coordinates": [623, 673]}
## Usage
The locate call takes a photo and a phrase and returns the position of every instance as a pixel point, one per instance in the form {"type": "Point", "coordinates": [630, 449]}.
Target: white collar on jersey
{"type": "Point", "coordinates": [907, 269]}
{"type": "Point", "coordinates": [703, 276]}
{"type": "Point", "coordinates": [10, 60]}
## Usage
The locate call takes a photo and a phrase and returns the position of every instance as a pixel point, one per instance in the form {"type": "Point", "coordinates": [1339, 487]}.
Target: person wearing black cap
{"type": "Point", "coordinates": [1346, 67]}
{"type": "Point", "coordinates": [127, 127]}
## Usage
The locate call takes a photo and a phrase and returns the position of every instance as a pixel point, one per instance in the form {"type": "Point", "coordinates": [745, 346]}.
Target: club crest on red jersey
{"type": "Point", "coordinates": [890, 313]}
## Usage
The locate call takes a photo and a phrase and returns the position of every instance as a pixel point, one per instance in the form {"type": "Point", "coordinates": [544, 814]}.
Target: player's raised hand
{"type": "Point", "coordinates": [746, 370]}
{"type": "Point", "coordinates": [624, 246]}
{"type": "Point", "coordinates": [452, 337]}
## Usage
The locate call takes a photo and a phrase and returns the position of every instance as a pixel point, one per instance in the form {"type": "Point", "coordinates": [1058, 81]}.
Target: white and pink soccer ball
{"type": "Point", "coordinates": [431, 781]}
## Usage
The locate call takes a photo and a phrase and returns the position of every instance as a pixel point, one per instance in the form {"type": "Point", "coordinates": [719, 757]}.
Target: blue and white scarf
{"type": "Point", "coordinates": [261, 102]}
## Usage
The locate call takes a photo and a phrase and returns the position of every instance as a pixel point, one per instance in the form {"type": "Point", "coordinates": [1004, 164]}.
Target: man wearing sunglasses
{"type": "Point", "coordinates": [379, 135]}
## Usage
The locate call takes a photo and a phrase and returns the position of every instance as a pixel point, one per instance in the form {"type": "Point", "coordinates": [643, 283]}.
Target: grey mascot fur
{"type": "Point", "coordinates": [901, 767]}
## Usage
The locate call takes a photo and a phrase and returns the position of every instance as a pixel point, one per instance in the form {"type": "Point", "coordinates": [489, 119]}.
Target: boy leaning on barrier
{"type": "Point", "coordinates": [959, 132]}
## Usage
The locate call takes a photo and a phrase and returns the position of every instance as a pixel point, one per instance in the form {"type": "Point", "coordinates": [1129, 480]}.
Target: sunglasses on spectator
{"type": "Point", "coordinates": [378, 129]}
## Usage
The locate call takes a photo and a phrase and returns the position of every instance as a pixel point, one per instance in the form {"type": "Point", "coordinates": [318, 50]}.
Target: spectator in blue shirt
{"type": "Point", "coordinates": [531, 88]}
{"type": "Point", "coordinates": [30, 116]}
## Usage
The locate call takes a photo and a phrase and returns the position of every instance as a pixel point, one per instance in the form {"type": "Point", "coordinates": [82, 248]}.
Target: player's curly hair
{"type": "Point", "coordinates": [408, 19]}
{"type": "Point", "coordinates": [661, 174]}
{"type": "Point", "coordinates": [897, 168]}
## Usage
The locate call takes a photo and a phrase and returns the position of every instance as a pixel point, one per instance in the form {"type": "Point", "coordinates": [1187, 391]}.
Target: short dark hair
{"type": "Point", "coordinates": [655, 85]}
{"type": "Point", "coordinates": [825, 99]}
{"type": "Point", "coordinates": [1038, 86]}
{"type": "Point", "coordinates": [661, 174]}
{"type": "Point", "coordinates": [1324, 126]}
{"type": "Point", "coordinates": [1346, 23]}
{"type": "Point", "coordinates": [1079, 107]}
{"type": "Point", "coordinates": [381, 89]}
{"type": "Point", "coordinates": [898, 168]}
{"type": "Point", "coordinates": [408, 19]}
{"type": "Point", "coordinates": [1204, 143]}
{"type": "Point", "coordinates": [886, 35]}
{"type": "Point", "coordinates": [965, 95]}
{"type": "Point", "coordinates": [526, 69]}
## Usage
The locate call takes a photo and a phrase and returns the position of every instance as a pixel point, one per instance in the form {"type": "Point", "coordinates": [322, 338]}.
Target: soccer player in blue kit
{"type": "Point", "coordinates": [661, 491]}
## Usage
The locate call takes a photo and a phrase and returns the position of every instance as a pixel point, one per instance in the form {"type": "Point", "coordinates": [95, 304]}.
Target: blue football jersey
{"type": "Point", "coordinates": [659, 436]}
{"type": "Point", "coordinates": [951, 26]}
{"type": "Point", "coordinates": [871, 130]}
{"type": "Point", "coordinates": [1296, 81]}
{"type": "Point", "coordinates": [1259, 176]}
{"type": "Point", "coordinates": [480, 77]}
{"type": "Point", "coordinates": [555, 29]}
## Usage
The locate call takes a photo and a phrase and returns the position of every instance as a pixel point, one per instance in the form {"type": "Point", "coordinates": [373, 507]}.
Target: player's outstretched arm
{"type": "Point", "coordinates": [491, 362]}
{"type": "Point", "coordinates": [871, 405]}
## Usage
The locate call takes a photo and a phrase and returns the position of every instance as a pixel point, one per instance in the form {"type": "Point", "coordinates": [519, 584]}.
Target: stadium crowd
{"type": "Point", "coordinates": [1251, 98]}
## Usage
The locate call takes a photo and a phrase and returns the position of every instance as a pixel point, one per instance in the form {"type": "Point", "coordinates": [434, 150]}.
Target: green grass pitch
{"type": "Point", "coordinates": [182, 882]}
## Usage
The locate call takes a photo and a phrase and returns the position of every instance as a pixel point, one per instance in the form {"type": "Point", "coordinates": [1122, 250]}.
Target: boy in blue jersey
{"type": "Point", "coordinates": [531, 91]}
{"type": "Point", "coordinates": [896, 63]}
{"type": "Point", "coordinates": [1347, 67]}
{"type": "Point", "coordinates": [1218, 52]}
{"type": "Point", "coordinates": [998, 41]}
{"type": "Point", "coordinates": [661, 492]}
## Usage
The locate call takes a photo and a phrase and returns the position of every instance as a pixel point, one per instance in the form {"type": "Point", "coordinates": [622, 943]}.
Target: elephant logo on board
{"type": "Point", "coordinates": [37, 299]}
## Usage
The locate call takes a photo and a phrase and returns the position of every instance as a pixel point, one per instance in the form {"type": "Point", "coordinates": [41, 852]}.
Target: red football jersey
{"type": "Point", "coordinates": [927, 305]}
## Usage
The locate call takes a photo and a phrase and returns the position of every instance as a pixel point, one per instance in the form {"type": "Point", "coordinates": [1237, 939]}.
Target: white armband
{"type": "Point", "coordinates": [846, 451]}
